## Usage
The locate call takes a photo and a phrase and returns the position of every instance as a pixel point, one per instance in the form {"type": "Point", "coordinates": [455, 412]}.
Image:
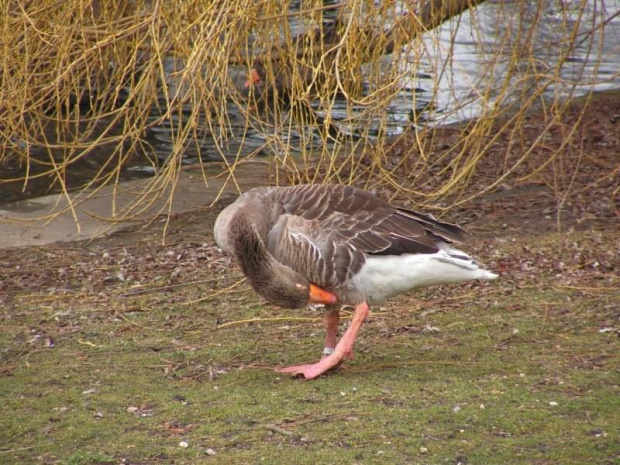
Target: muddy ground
{"type": "Point", "coordinates": [125, 350]}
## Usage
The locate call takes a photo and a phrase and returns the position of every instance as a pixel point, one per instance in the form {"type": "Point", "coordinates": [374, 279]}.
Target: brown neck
{"type": "Point", "coordinates": [275, 282]}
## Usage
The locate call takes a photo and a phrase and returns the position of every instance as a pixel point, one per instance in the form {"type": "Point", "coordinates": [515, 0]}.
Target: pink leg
{"type": "Point", "coordinates": [332, 320]}
{"type": "Point", "coordinates": [344, 349]}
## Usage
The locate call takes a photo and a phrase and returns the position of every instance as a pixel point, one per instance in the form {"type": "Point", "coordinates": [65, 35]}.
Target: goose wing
{"type": "Point", "coordinates": [325, 231]}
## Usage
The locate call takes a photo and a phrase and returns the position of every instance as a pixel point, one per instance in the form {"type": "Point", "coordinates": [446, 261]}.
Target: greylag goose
{"type": "Point", "coordinates": [337, 245]}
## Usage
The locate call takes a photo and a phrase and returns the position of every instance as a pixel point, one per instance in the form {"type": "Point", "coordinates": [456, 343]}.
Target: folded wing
{"type": "Point", "coordinates": [325, 232]}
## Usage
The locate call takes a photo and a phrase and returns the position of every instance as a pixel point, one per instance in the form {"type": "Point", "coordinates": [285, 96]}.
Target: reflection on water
{"type": "Point", "coordinates": [500, 51]}
{"type": "Point", "coordinates": [505, 46]}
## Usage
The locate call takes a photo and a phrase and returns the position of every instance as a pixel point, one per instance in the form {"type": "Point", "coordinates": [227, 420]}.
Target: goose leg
{"type": "Point", "coordinates": [343, 350]}
{"type": "Point", "coordinates": [332, 320]}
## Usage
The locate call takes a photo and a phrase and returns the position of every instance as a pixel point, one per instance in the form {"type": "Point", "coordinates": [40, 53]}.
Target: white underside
{"type": "Point", "coordinates": [383, 277]}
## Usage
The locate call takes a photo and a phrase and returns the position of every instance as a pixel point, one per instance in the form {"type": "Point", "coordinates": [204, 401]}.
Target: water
{"type": "Point", "coordinates": [485, 56]}
{"type": "Point", "coordinates": [483, 60]}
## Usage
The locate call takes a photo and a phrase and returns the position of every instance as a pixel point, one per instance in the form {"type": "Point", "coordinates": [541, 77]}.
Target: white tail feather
{"type": "Point", "coordinates": [384, 276]}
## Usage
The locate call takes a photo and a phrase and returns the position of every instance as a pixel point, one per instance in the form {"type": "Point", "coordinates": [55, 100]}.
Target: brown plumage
{"type": "Point", "coordinates": [354, 246]}
{"type": "Point", "coordinates": [325, 231]}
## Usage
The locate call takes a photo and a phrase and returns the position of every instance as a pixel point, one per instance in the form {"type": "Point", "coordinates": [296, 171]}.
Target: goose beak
{"type": "Point", "coordinates": [253, 78]}
{"type": "Point", "coordinates": [321, 296]}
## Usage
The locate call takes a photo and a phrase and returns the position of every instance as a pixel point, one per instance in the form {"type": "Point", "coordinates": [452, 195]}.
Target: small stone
{"type": "Point", "coordinates": [423, 450]}
{"type": "Point", "coordinates": [183, 444]}
{"type": "Point", "coordinates": [98, 415]}
{"type": "Point", "coordinates": [482, 407]}
{"type": "Point", "coordinates": [456, 409]}
{"type": "Point", "coordinates": [553, 404]}
{"type": "Point", "coordinates": [210, 452]}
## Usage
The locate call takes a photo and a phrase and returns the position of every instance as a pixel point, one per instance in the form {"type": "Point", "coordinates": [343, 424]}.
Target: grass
{"type": "Point", "coordinates": [516, 371]}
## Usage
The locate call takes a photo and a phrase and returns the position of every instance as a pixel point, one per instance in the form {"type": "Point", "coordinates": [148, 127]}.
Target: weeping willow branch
{"type": "Point", "coordinates": [90, 88]}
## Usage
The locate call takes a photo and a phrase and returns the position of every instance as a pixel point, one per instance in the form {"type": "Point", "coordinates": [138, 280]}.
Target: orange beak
{"type": "Point", "coordinates": [321, 296]}
{"type": "Point", "coordinates": [253, 79]}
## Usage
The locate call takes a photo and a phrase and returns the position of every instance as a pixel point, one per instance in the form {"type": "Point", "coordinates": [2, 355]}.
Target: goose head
{"type": "Point", "coordinates": [285, 287]}
{"type": "Point", "coordinates": [256, 77]}
{"type": "Point", "coordinates": [239, 229]}
{"type": "Point", "coordinates": [280, 285]}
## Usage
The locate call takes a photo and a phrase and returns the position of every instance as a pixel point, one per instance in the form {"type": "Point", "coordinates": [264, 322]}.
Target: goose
{"type": "Point", "coordinates": [305, 68]}
{"type": "Point", "coordinates": [338, 245]}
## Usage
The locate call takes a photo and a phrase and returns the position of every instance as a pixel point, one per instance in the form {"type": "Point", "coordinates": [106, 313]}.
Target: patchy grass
{"type": "Point", "coordinates": [108, 357]}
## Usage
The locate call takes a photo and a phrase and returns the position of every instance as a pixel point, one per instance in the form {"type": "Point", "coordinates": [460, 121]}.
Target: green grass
{"type": "Point", "coordinates": [131, 377]}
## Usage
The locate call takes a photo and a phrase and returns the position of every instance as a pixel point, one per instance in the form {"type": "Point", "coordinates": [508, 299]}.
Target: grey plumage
{"type": "Point", "coordinates": [325, 232]}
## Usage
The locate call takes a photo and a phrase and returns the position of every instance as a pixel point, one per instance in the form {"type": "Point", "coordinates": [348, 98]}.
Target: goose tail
{"type": "Point", "coordinates": [459, 258]}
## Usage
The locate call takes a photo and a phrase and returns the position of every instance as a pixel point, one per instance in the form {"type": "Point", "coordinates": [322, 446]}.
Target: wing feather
{"type": "Point", "coordinates": [324, 231]}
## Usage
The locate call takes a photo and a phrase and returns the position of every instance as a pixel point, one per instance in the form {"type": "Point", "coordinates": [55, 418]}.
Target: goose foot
{"type": "Point", "coordinates": [343, 350]}
{"type": "Point", "coordinates": [314, 370]}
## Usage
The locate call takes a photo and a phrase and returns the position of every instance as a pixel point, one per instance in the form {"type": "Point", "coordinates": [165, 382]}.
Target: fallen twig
{"type": "Point", "coordinates": [277, 429]}
{"type": "Point", "coordinates": [210, 296]}
{"type": "Point", "coordinates": [10, 451]}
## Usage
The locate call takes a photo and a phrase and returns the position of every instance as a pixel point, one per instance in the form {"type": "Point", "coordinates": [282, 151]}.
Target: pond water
{"type": "Point", "coordinates": [484, 54]}
{"type": "Point", "coordinates": [470, 62]}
